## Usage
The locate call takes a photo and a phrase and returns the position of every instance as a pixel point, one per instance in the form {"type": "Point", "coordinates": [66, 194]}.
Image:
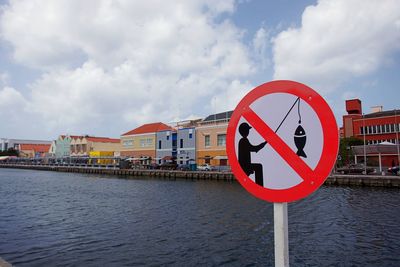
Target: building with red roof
{"type": "Point", "coordinates": [140, 143]}
{"type": "Point", "coordinates": [380, 131]}
{"type": "Point", "coordinates": [33, 150]}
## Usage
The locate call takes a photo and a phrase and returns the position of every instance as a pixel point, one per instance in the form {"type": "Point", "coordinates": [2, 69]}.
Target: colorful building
{"type": "Point", "coordinates": [81, 146]}
{"type": "Point", "coordinates": [63, 145]}
{"type": "Point", "coordinates": [6, 143]}
{"type": "Point", "coordinates": [166, 146]}
{"type": "Point", "coordinates": [380, 128]}
{"type": "Point", "coordinates": [186, 147]}
{"type": "Point", "coordinates": [211, 140]}
{"type": "Point", "coordinates": [140, 143]}
{"type": "Point", "coordinates": [33, 150]}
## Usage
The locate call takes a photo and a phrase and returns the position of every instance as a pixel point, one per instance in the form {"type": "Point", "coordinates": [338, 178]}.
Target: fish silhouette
{"type": "Point", "coordinates": [300, 141]}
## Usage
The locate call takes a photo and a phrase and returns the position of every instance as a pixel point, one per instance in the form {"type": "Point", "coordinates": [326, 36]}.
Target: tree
{"type": "Point", "coordinates": [10, 152]}
{"type": "Point", "coordinates": [345, 152]}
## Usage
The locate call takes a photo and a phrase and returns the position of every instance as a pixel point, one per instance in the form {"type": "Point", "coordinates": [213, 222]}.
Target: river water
{"type": "Point", "coordinates": [68, 219]}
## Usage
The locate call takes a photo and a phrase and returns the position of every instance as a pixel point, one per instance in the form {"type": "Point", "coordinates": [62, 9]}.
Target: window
{"type": "Point", "coordinates": [207, 140]}
{"type": "Point", "coordinates": [207, 159]}
{"type": "Point", "coordinates": [392, 127]}
{"type": "Point", "coordinates": [149, 141]}
{"type": "Point", "coordinates": [383, 128]}
{"type": "Point", "coordinates": [378, 129]}
{"type": "Point", "coordinates": [362, 130]}
{"type": "Point", "coordinates": [167, 137]}
{"type": "Point", "coordinates": [370, 129]}
{"type": "Point", "coordinates": [181, 143]}
{"type": "Point", "coordinates": [190, 135]}
{"type": "Point", "coordinates": [374, 129]}
{"type": "Point", "coordinates": [127, 143]}
{"type": "Point", "coordinates": [142, 142]}
{"type": "Point", "coordinates": [159, 144]}
{"type": "Point", "coordinates": [221, 139]}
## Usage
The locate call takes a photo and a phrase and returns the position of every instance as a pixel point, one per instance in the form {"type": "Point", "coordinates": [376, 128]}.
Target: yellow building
{"type": "Point", "coordinates": [101, 157]}
{"type": "Point", "coordinates": [211, 140]}
{"type": "Point", "coordinates": [140, 143]}
{"type": "Point", "coordinates": [83, 145]}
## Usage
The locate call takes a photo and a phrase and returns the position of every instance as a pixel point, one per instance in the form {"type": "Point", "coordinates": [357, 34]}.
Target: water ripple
{"type": "Point", "coordinates": [66, 219]}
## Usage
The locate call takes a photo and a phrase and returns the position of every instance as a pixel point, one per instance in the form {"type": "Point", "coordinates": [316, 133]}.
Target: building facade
{"type": "Point", "coordinates": [139, 144]}
{"type": "Point", "coordinates": [211, 140]}
{"type": "Point", "coordinates": [186, 146]}
{"type": "Point", "coordinates": [81, 146]}
{"type": "Point", "coordinates": [376, 127]}
{"type": "Point", "coordinates": [6, 143]}
{"type": "Point", "coordinates": [380, 129]}
{"type": "Point", "coordinates": [33, 150]}
{"type": "Point", "coordinates": [63, 144]}
{"type": "Point", "coordinates": [166, 146]}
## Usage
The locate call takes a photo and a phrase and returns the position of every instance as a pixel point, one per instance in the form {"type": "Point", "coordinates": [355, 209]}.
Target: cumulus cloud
{"type": "Point", "coordinates": [338, 39]}
{"type": "Point", "coordinates": [123, 63]}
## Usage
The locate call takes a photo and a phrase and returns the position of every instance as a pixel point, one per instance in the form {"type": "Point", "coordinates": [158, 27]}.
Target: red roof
{"type": "Point", "coordinates": [102, 139]}
{"type": "Point", "coordinates": [43, 148]}
{"type": "Point", "coordinates": [149, 128]}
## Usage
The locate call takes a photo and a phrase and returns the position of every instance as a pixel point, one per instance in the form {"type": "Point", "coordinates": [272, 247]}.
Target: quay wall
{"type": "Point", "coordinates": [334, 180]}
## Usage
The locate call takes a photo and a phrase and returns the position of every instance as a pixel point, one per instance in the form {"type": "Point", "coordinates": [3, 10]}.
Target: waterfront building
{"type": "Point", "coordinates": [63, 145]}
{"type": "Point", "coordinates": [6, 143]}
{"type": "Point", "coordinates": [81, 146]}
{"type": "Point", "coordinates": [52, 149]}
{"type": "Point", "coordinates": [166, 146]}
{"type": "Point", "coordinates": [139, 144]}
{"type": "Point", "coordinates": [379, 128]}
{"type": "Point", "coordinates": [211, 140]}
{"type": "Point", "coordinates": [186, 142]}
{"type": "Point", "coordinates": [33, 150]}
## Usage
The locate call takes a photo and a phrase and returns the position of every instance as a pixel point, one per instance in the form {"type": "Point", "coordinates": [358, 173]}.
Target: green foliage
{"type": "Point", "coordinates": [10, 152]}
{"type": "Point", "coordinates": [345, 152]}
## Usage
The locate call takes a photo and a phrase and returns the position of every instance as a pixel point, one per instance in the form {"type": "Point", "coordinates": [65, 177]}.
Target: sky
{"type": "Point", "coordinates": [103, 67]}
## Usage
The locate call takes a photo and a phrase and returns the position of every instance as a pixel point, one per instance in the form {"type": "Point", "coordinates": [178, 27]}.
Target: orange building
{"type": "Point", "coordinates": [211, 139]}
{"type": "Point", "coordinates": [33, 150]}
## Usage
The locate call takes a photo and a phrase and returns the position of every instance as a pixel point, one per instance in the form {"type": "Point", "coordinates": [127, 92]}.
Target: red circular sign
{"type": "Point", "coordinates": [312, 178]}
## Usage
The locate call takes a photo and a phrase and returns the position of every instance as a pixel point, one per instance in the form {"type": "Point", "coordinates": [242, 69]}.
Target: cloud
{"type": "Point", "coordinates": [108, 66]}
{"type": "Point", "coordinates": [338, 39]}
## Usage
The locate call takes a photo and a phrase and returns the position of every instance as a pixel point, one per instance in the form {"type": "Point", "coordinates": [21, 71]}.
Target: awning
{"type": "Point", "coordinates": [4, 157]}
{"type": "Point", "coordinates": [130, 159]}
{"type": "Point", "coordinates": [168, 158]}
{"type": "Point", "coordinates": [221, 157]}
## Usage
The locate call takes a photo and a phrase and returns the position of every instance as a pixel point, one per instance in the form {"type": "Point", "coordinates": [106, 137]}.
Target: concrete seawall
{"type": "Point", "coordinates": [334, 180]}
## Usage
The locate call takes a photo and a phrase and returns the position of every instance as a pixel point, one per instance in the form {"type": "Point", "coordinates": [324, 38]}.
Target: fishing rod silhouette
{"type": "Point", "coordinates": [300, 136]}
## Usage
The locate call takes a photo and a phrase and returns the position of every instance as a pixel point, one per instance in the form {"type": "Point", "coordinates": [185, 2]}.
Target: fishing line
{"type": "Point", "coordinates": [298, 99]}
{"type": "Point", "coordinates": [298, 110]}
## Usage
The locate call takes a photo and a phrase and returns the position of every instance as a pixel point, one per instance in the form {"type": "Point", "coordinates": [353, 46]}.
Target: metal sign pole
{"type": "Point", "coordinates": [281, 235]}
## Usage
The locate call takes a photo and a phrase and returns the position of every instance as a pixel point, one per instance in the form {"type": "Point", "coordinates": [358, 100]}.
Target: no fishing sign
{"type": "Point", "coordinates": [282, 141]}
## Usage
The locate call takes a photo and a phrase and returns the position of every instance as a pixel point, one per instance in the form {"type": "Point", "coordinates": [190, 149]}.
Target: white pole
{"type": "Point", "coordinates": [281, 235]}
{"type": "Point", "coordinates": [396, 127]}
{"type": "Point", "coordinates": [365, 153]}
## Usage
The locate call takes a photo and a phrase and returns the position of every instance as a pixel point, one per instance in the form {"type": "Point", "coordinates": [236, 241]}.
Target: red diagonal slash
{"type": "Point", "coordinates": [294, 161]}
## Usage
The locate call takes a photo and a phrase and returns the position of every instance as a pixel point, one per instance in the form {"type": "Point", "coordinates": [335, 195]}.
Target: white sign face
{"type": "Point", "coordinates": [272, 109]}
{"type": "Point", "coordinates": [282, 141]}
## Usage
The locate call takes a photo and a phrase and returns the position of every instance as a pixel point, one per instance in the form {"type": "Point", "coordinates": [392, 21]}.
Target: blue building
{"type": "Point", "coordinates": [166, 144]}
{"type": "Point", "coordinates": [186, 147]}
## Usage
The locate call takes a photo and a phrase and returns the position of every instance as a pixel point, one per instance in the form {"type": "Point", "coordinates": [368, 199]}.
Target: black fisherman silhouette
{"type": "Point", "coordinates": [245, 149]}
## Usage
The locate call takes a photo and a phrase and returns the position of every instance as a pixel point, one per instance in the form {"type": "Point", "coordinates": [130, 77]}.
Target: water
{"type": "Point", "coordinates": [67, 219]}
